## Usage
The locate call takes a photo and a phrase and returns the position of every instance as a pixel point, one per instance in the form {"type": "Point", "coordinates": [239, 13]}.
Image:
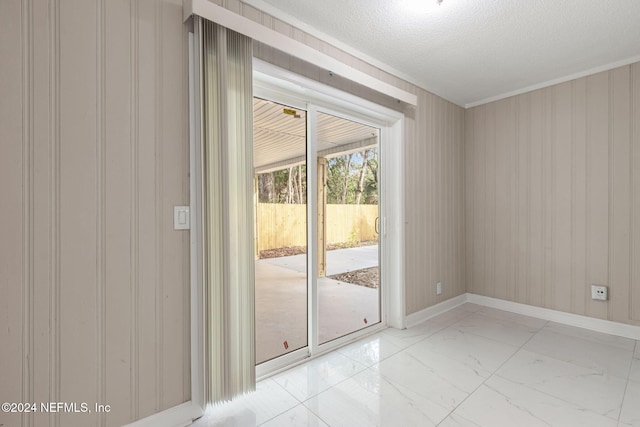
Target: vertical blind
{"type": "Point", "coordinates": [227, 147]}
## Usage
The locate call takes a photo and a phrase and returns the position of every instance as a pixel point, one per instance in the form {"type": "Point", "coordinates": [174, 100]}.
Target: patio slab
{"type": "Point", "coordinates": [338, 261]}
{"type": "Point", "coordinates": [281, 302]}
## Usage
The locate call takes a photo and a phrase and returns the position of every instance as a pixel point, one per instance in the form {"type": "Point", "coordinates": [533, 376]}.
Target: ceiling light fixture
{"type": "Point", "coordinates": [420, 7]}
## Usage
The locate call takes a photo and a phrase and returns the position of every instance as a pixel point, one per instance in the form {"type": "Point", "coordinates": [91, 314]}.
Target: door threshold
{"type": "Point", "coordinates": [283, 363]}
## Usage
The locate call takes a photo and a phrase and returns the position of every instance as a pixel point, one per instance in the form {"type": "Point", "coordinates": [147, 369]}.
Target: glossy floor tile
{"type": "Point", "coordinates": [267, 402]}
{"type": "Point", "coordinates": [530, 322]}
{"type": "Point", "coordinates": [299, 416]}
{"type": "Point", "coordinates": [635, 368]}
{"type": "Point", "coordinates": [473, 349]}
{"type": "Point", "coordinates": [601, 352]}
{"type": "Point", "coordinates": [368, 399]}
{"type": "Point", "coordinates": [499, 402]}
{"type": "Point", "coordinates": [630, 414]}
{"type": "Point", "coordinates": [491, 327]}
{"type": "Point", "coordinates": [571, 383]}
{"type": "Point", "coordinates": [471, 366]}
{"type": "Point", "coordinates": [372, 350]}
{"type": "Point", "coordinates": [307, 380]}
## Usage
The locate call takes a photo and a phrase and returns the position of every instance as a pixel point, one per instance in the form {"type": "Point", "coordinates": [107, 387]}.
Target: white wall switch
{"type": "Point", "coordinates": [181, 218]}
{"type": "Point", "coordinates": [438, 288]}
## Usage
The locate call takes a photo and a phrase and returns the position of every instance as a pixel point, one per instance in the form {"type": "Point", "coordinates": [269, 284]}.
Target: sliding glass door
{"type": "Point", "coordinates": [348, 289]}
{"type": "Point", "coordinates": [280, 185]}
{"type": "Point", "coordinates": [317, 268]}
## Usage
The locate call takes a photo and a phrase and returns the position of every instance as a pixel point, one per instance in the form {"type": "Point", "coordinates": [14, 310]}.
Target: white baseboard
{"type": "Point", "coordinates": [598, 325]}
{"type": "Point", "coordinates": [178, 416]}
{"type": "Point", "coordinates": [429, 312]}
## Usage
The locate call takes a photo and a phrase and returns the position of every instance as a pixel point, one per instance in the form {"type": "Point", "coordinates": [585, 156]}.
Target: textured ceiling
{"type": "Point", "coordinates": [473, 51]}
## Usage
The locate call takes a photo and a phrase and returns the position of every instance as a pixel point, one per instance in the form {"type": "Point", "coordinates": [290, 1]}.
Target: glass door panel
{"type": "Point", "coordinates": [348, 224]}
{"type": "Point", "coordinates": [280, 186]}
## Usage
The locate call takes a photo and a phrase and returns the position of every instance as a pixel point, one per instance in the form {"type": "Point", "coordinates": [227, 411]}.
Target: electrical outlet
{"type": "Point", "coordinates": [599, 292]}
{"type": "Point", "coordinates": [438, 288]}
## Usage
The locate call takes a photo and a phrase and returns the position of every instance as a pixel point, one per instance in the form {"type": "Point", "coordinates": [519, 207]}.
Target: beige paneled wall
{"type": "Point", "coordinates": [434, 202]}
{"type": "Point", "coordinates": [94, 281]}
{"type": "Point", "coordinates": [552, 196]}
{"type": "Point", "coordinates": [433, 173]}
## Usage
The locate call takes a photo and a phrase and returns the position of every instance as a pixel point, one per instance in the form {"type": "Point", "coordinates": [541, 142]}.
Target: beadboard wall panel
{"type": "Point", "coordinates": [15, 141]}
{"type": "Point", "coordinates": [42, 186]}
{"type": "Point", "coordinates": [620, 199]}
{"type": "Point", "coordinates": [635, 192]}
{"type": "Point", "coordinates": [173, 184]}
{"type": "Point", "coordinates": [597, 188]}
{"type": "Point", "coordinates": [79, 246]}
{"type": "Point", "coordinates": [552, 196]}
{"type": "Point", "coordinates": [94, 155]}
{"type": "Point", "coordinates": [115, 195]}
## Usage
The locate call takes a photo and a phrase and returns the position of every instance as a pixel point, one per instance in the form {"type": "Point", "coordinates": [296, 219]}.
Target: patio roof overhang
{"type": "Point", "coordinates": [280, 136]}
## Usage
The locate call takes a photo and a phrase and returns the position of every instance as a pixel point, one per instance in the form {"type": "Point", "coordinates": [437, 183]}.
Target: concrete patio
{"type": "Point", "coordinates": [281, 300]}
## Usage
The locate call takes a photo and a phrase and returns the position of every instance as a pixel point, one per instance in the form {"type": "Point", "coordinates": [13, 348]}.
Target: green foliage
{"type": "Point", "coordinates": [353, 238]}
{"type": "Point", "coordinates": [371, 180]}
{"type": "Point", "coordinates": [273, 187]}
{"type": "Point", "coordinates": [277, 187]}
{"type": "Point", "coordinates": [337, 170]}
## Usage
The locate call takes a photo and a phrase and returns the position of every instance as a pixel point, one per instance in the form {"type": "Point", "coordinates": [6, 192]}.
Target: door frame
{"type": "Point", "coordinates": [282, 86]}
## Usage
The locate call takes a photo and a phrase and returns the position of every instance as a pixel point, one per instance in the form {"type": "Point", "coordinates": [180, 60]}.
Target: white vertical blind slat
{"type": "Point", "coordinates": [228, 175]}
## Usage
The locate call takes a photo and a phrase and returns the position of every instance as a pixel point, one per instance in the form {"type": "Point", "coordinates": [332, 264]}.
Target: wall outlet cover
{"type": "Point", "coordinates": [599, 292]}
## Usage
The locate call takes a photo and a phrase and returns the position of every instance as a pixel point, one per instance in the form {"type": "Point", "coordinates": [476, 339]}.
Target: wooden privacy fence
{"type": "Point", "coordinates": [282, 225]}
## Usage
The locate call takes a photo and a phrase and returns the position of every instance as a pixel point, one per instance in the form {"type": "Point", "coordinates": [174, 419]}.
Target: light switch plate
{"type": "Point", "coordinates": [181, 218]}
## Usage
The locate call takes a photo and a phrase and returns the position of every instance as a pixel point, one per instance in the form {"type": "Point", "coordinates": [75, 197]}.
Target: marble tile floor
{"type": "Point", "coordinates": [471, 366]}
